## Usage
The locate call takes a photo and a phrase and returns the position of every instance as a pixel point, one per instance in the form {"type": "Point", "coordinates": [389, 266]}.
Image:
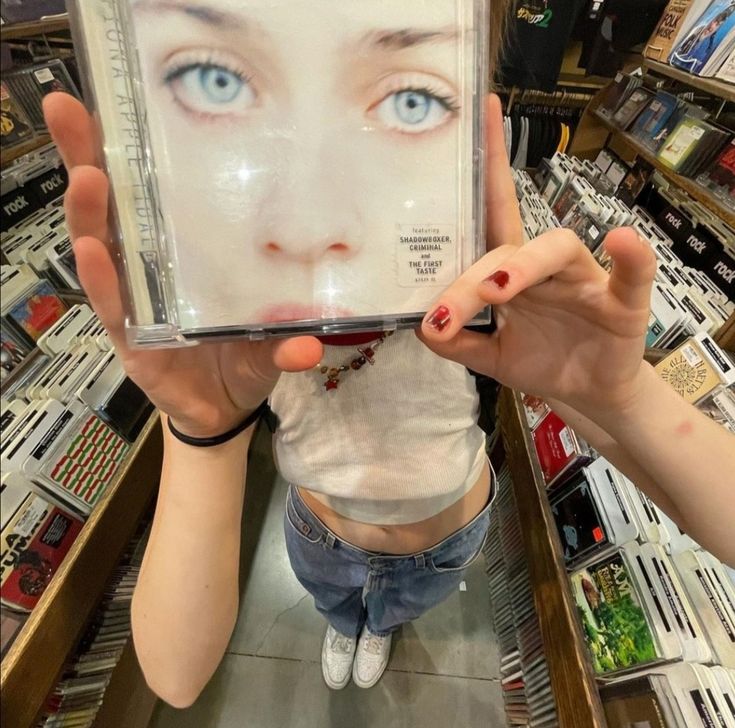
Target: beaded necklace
{"type": "Point", "coordinates": [365, 355]}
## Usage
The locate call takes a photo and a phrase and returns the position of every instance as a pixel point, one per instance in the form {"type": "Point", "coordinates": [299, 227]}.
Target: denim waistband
{"type": "Point", "coordinates": [311, 526]}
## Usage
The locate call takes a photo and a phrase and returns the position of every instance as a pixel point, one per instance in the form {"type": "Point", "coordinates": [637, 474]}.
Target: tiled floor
{"type": "Point", "coordinates": [443, 670]}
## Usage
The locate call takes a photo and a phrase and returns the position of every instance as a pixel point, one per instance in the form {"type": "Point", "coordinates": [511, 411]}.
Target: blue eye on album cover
{"type": "Point", "coordinates": [282, 166]}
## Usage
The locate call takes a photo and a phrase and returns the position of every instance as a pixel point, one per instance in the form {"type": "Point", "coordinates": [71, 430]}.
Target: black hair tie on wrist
{"type": "Point", "coordinates": [252, 418]}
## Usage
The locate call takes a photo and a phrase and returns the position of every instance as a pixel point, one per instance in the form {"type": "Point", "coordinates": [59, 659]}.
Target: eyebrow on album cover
{"type": "Point", "coordinates": [385, 39]}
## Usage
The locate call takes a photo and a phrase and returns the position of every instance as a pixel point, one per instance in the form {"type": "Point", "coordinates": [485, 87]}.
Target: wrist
{"type": "Point", "coordinates": [628, 411]}
{"type": "Point", "coordinates": [215, 437]}
{"type": "Point", "coordinates": [240, 441]}
{"type": "Point", "coordinates": [208, 423]}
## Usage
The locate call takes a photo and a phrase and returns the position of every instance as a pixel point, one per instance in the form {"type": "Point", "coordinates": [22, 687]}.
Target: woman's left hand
{"type": "Point", "coordinates": [566, 329]}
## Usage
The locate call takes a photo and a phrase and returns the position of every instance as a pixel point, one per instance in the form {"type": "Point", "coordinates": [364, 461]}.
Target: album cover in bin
{"type": "Point", "coordinates": [711, 34]}
{"type": "Point", "coordinates": [616, 623]}
{"type": "Point", "coordinates": [632, 106]}
{"type": "Point", "coordinates": [37, 310]}
{"type": "Point", "coordinates": [645, 700]}
{"type": "Point", "coordinates": [34, 543]}
{"type": "Point", "coordinates": [682, 142]}
{"type": "Point", "coordinates": [534, 408]}
{"type": "Point", "coordinates": [614, 95]}
{"type": "Point", "coordinates": [290, 167]}
{"type": "Point", "coordinates": [559, 450]}
{"type": "Point", "coordinates": [579, 520]}
{"type": "Point", "coordinates": [15, 127]}
{"type": "Point", "coordinates": [13, 350]}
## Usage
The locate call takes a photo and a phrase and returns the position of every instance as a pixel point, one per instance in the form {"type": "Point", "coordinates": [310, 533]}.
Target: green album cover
{"type": "Point", "coordinates": [681, 143]}
{"type": "Point", "coordinates": [614, 621]}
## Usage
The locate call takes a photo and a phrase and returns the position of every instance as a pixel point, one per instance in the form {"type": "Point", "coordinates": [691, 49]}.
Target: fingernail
{"type": "Point", "coordinates": [500, 278]}
{"type": "Point", "coordinates": [440, 319]}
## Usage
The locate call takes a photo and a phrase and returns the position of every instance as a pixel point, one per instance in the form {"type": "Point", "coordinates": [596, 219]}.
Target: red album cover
{"type": "Point", "coordinates": [557, 448]}
{"type": "Point", "coordinates": [39, 311]}
{"type": "Point", "coordinates": [722, 171]}
{"type": "Point", "coordinates": [33, 546]}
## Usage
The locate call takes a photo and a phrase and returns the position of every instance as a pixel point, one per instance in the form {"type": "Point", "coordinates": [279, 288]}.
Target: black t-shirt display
{"type": "Point", "coordinates": [538, 36]}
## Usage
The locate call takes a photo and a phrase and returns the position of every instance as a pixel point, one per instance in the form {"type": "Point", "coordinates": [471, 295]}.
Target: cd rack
{"type": "Point", "coordinates": [29, 670]}
{"type": "Point", "coordinates": [32, 664]}
{"type": "Point", "coordinates": [570, 672]}
{"type": "Point", "coordinates": [595, 130]}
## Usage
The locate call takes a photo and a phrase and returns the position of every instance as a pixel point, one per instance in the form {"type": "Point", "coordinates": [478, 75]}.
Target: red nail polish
{"type": "Point", "coordinates": [440, 319]}
{"type": "Point", "coordinates": [500, 278]}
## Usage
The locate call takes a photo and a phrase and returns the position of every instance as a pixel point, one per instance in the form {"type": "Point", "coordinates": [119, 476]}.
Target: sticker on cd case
{"type": "Point", "coordinates": [426, 255]}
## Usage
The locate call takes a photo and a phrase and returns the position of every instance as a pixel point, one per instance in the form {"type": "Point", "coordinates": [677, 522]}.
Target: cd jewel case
{"type": "Point", "coordinates": [288, 166]}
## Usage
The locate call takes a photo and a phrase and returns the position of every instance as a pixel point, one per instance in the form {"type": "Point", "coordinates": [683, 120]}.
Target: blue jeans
{"type": "Point", "coordinates": [352, 586]}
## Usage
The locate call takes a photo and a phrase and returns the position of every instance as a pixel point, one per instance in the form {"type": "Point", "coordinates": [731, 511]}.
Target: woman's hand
{"type": "Point", "coordinates": [206, 389]}
{"type": "Point", "coordinates": [566, 329]}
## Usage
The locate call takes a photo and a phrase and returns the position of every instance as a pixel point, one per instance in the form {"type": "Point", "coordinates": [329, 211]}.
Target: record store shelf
{"type": "Point", "coordinates": [33, 664]}
{"type": "Point", "coordinates": [26, 148]}
{"type": "Point", "coordinates": [570, 670]}
{"type": "Point", "coordinates": [713, 86]}
{"type": "Point", "coordinates": [695, 190]}
{"type": "Point", "coordinates": [51, 24]}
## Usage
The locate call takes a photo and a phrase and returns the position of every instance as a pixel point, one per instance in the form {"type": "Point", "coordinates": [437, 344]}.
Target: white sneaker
{"type": "Point", "coordinates": [338, 652]}
{"type": "Point", "coordinates": [371, 658]}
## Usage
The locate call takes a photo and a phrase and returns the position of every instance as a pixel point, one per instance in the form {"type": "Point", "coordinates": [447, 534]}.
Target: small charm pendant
{"type": "Point", "coordinates": [368, 353]}
{"type": "Point", "coordinates": [367, 356]}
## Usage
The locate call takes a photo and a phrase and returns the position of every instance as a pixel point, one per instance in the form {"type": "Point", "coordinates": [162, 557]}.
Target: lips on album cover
{"type": "Point", "coordinates": [313, 161]}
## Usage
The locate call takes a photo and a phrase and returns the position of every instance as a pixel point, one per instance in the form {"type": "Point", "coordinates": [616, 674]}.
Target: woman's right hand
{"type": "Point", "coordinates": [206, 389]}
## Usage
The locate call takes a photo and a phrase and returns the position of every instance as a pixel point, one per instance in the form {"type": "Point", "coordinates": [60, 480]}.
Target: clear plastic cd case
{"type": "Point", "coordinates": [288, 166]}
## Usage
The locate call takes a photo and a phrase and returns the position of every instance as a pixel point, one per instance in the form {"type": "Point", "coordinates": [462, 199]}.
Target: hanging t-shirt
{"type": "Point", "coordinates": [537, 38]}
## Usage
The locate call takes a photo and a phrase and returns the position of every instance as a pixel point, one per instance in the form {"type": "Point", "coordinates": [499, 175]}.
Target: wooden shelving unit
{"type": "Point", "coordinates": [34, 662]}
{"type": "Point", "coordinates": [31, 145]}
{"type": "Point", "coordinates": [695, 190]}
{"type": "Point", "coordinates": [572, 679]}
{"type": "Point", "coordinates": [579, 80]}
{"type": "Point", "coordinates": [712, 86]}
{"type": "Point", "coordinates": [52, 24]}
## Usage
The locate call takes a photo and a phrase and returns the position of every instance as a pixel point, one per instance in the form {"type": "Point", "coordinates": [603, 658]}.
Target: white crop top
{"type": "Point", "coordinates": [396, 443]}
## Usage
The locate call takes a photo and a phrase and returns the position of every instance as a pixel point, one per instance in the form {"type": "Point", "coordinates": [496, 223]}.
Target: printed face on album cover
{"type": "Point", "coordinates": [311, 158]}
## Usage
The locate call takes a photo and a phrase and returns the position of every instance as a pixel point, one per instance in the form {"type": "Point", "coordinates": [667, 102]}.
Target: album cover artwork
{"type": "Point", "coordinates": [663, 37]}
{"type": "Point", "coordinates": [633, 105]}
{"type": "Point", "coordinates": [33, 546]}
{"type": "Point", "coordinates": [682, 142]}
{"type": "Point", "coordinates": [289, 166]}
{"type": "Point", "coordinates": [694, 50]}
{"type": "Point", "coordinates": [652, 119]}
{"type": "Point", "coordinates": [12, 350]}
{"type": "Point", "coordinates": [578, 519]}
{"type": "Point", "coordinates": [616, 628]}
{"type": "Point", "coordinates": [14, 124]}
{"type": "Point", "coordinates": [38, 310]}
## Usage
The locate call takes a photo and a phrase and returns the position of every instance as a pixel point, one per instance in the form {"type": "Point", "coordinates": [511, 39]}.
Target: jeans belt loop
{"type": "Point", "coordinates": [329, 540]}
{"type": "Point", "coordinates": [420, 560]}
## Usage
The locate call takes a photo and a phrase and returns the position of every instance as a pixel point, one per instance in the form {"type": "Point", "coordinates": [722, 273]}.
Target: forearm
{"type": "Point", "coordinates": [186, 601]}
{"type": "Point", "coordinates": [683, 460]}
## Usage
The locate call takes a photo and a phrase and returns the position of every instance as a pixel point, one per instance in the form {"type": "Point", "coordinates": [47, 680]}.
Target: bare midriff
{"type": "Point", "coordinates": [404, 538]}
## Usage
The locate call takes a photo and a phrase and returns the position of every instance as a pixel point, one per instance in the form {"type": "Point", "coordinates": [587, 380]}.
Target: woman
{"type": "Point", "coordinates": [375, 556]}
